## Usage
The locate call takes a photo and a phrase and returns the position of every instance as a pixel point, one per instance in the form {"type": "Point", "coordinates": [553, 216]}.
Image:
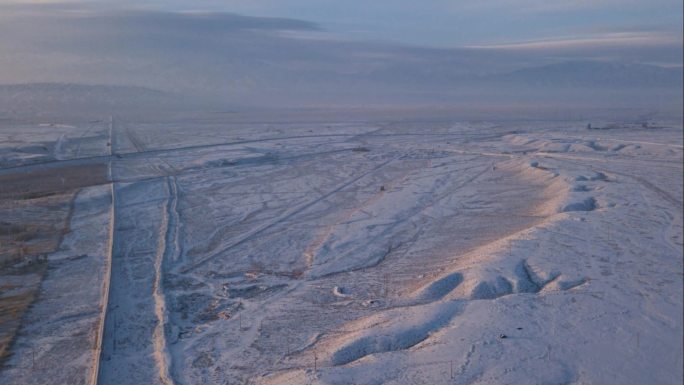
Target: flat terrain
{"type": "Point", "coordinates": [215, 252]}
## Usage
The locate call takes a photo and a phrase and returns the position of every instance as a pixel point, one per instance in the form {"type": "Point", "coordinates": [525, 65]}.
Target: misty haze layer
{"type": "Point", "coordinates": [222, 58]}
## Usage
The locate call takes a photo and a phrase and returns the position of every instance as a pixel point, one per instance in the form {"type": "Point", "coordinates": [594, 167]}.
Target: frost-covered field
{"type": "Point", "coordinates": [357, 253]}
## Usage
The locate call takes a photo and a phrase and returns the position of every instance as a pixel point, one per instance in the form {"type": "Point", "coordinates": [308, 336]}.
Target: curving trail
{"type": "Point", "coordinates": [166, 249]}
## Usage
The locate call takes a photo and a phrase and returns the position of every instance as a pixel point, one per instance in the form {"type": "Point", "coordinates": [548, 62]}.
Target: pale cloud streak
{"type": "Point", "coordinates": [615, 39]}
{"type": "Point", "coordinates": [258, 58]}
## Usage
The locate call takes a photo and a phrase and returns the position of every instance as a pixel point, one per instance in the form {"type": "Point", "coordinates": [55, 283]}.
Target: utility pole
{"type": "Point", "coordinates": [451, 369]}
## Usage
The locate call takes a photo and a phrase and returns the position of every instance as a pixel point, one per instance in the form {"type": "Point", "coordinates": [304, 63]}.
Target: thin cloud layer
{"type": "Point", "coordinates": [279, 60]}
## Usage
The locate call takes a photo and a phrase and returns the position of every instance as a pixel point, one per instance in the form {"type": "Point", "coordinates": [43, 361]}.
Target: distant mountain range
{"type": "Point", "coordinates": [395, 83]}
{"type": "Point", "coordinates": [69, 93]}
{"type": "Point", "coordinates": [594, 74]}
{"type": "Point", "coordinates": [48, 99]}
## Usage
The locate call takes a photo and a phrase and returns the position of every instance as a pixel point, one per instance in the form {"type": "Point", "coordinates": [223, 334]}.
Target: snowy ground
{"type": "Point", "coordinates": [360, 253]}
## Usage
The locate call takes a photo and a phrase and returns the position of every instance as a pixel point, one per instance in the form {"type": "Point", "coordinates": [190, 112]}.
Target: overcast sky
{"type": "Point", "coordinates": [243, 47]}
{"type": "Point", "coordinates": [448, 23]}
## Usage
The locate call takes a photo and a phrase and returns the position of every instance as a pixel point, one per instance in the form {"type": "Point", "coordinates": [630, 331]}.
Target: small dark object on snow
{"type": "Point", "coordinates": [519, 328]}
{"type": "Point", "coordinates": [502, 336]}
{"type": "Point", "coordinates": [382, 188]}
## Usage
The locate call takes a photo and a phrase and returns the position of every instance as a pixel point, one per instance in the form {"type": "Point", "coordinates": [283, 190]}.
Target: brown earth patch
{"type": "Point", "coordinates": [39, 182]}
{"type": "Point", "coordinates": [35, 211]}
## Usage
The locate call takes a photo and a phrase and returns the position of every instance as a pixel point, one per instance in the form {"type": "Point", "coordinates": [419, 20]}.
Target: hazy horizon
{"type": "Point", "coordinates": [323, 54]}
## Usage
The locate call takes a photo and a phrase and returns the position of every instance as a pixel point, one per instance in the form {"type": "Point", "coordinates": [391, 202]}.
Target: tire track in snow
{"type": "Point", "coordinates": [657, 190]}
{"type": "Point", "coordinates": [284, 217]}
{"type": "Point", "coordinates": [154, 151]}
{"type": "Point", "coordinates": [166, 249]}
{"type": "Point", "coordinates": [151, 152]}
{"type": "Point", "coordinates": [408, 215]}
{"type": "Point", "coordinates": [324, 236]}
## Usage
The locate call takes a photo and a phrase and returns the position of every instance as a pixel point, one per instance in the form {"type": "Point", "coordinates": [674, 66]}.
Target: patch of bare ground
{"type": "Point", "coordinates": [50, 180]}
{"type": "Point", "coordinates": [35, 210]}
{"type": "Point", "coordinates": [16, 295]}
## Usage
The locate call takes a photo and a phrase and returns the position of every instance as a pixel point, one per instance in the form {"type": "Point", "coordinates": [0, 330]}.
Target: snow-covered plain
{"type": "Point", "coordinates": [361, 253]}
